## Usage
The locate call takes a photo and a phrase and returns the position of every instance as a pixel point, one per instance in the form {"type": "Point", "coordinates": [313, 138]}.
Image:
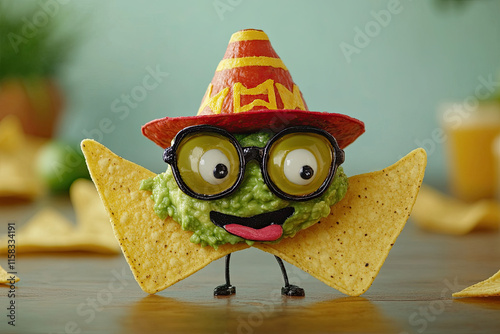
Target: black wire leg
{"type": "Point", "coordinates": [225, 289]}
{"type": "Point", "coordinates": [289, 289]}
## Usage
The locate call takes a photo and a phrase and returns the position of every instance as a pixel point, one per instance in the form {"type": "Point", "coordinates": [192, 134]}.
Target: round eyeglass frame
{"type": "Point", "coordinates": [247, 154]}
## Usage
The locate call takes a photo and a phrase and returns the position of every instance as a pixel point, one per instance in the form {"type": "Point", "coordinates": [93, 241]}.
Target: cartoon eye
{"type": "Point", "coordinates": [214, 166]}
{"type": "Point", "coordinates": [299, 163]}
{"type": "Point", "coordinates": [208, 163]}
{"type": "Point", "coordinates": [300, 166]}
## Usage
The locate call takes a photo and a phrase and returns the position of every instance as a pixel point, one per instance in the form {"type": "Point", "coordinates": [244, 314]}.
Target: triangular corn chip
{"type": "Point", "coordinates": [347, 249]}
{"type": "Point", "coordinates": [158, 251]}
{"type": "Point", "coordinates": [92, 218]}
{"type": "Point", "coordinates": [6, 278]}
{"type": "Point", "coordinates": [487, 288]}
{"type": "Point", "coordinates": [49, 231]}
{"type": "Point", "coordinates": [436, 212]}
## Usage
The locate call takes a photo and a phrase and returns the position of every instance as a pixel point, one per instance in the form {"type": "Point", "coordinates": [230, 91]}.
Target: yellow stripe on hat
{"type": "Point", "coordinates": [227, 64]}
{"type": "Point", "coordinates": [249, 35]}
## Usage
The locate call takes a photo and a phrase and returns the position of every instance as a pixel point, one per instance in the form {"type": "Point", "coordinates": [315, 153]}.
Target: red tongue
{"type": "Point", "coordinates": [268, 233]}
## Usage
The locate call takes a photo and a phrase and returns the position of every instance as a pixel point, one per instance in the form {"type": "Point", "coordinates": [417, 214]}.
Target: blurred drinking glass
{"type": "Point", "coordinates": [470, 134]}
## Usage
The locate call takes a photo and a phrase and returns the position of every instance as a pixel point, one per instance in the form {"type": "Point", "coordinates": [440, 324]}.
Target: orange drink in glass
{"type": "Point", "coordinates": [470, 135]}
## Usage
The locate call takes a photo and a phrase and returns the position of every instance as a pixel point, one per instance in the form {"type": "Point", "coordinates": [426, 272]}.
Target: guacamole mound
{"type": "Point", "coordinates": [251, 198]}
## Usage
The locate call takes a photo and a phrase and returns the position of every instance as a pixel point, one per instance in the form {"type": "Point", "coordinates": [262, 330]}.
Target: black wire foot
{"type": "Point", "coordinates": [292, 291]}
{"type": "Point", "coordinates": [289, 289]}
{"type": "Point", "coordinates": [225, 290]}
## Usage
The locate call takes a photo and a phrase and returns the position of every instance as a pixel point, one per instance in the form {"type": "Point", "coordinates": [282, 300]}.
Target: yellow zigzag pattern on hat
{"type": "Point", "coordinates": [263, 88]}
{"type": "Point", "coordinates": [214, 102]}
{"type": "Point", "coordinates": [291, 100]}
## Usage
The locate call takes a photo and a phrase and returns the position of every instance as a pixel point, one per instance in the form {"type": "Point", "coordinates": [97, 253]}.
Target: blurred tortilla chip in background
{"type": "Point", "coordinates": [18, 177]}
{"type": "Point", "coordinates": [50, 231]}
{"type": "Point", "coordinates": [90, 213]}
{"type": "Point", "coordinates": [436, 212]}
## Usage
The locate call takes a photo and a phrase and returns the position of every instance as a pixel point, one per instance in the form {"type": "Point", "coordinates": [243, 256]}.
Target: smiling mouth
{"type": "Point", "coordinates": [262, 227]}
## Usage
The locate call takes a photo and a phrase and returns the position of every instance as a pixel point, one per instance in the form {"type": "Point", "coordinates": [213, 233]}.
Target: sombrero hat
{"type": "Point", "coordinates": [252, 90]}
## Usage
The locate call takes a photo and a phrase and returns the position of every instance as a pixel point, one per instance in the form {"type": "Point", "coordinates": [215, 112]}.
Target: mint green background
{"type": "Point", "coordinates": [425, 56]}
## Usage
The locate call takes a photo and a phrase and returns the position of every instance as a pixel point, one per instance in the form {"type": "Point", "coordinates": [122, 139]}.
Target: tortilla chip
{"type": "Point", "coordinates": [487, 288]}
{"type": "Point", "coordinates": [6, 278]}
{"type": "Point", "coordinates": [436, 212]}
{"type": "Point", "coordinates": [18, 177]}
{"type": "Point", "coordinates": [49, 231]}
{"type": "Point", "coordinates": [347, 249]}
{"type": "Point", "coordinates": [93, 220]}
{"type": "Point", "coordinates": [158, 251]}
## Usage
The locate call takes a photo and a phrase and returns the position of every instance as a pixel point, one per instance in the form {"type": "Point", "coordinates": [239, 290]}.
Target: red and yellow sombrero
{"type": "Point", "coordinates": [250, 91]}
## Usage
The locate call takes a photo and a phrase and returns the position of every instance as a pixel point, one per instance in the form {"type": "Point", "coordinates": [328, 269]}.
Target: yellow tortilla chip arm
{"type": "Point", "coordinates": [158, 251]}
{"type": "Point", "coordinates": [486, 288]}
{"type": "Point", "coordinates": [347, 249]}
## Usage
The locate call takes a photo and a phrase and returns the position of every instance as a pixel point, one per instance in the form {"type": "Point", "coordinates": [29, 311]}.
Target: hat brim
{"type": "Point", "coordinates": [345, 129]}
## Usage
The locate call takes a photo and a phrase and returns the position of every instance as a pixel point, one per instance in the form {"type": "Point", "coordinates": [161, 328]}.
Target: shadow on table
{"type": "Point", "coordinates": [229, 315]}
{"type": "Point", "coordinates": [490, 303]}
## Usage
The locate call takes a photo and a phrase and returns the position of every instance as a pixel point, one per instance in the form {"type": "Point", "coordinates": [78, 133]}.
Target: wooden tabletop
{"type": "Point", "coordinates": [84, 293]}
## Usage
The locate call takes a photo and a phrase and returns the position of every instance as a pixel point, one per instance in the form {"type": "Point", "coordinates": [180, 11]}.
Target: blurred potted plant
{"type": "Point", "coordinates": [31, 51]}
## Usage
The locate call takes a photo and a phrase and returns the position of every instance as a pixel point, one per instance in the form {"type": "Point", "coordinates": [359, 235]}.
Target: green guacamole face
{"type": "Point", "coordinates": [253, 197]}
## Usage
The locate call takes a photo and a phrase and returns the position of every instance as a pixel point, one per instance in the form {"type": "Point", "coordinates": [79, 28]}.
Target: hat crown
{"type": "Point", "coordinates": [251, 76]}
{"type": "Point", "coordinates": [253, 90]}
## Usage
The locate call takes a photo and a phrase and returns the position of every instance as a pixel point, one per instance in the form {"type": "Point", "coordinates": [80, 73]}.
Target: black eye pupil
{"type": "Point", "coordinates": [306, 172]}
{"type": "Point", "coordinates": [220, 171]}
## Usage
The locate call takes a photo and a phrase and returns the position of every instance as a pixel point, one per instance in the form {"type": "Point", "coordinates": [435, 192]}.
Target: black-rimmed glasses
{"type": "Point", "coordinates": [297, 163]}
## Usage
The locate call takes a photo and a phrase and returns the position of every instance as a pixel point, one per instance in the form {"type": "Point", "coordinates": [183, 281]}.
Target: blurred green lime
{"type": "Point", "coordinates": [59, 164]}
